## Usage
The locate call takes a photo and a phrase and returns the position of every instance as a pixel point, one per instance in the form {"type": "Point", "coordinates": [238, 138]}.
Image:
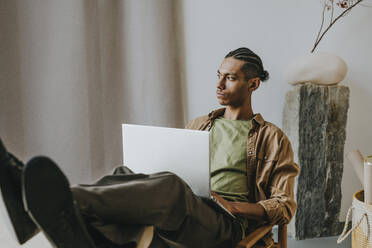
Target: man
{"type": "Point", "coordinates": [252, 175]}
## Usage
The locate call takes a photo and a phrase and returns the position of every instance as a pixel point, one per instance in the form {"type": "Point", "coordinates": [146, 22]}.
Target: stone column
{"type": "Point", "coordinates": [314, 120]}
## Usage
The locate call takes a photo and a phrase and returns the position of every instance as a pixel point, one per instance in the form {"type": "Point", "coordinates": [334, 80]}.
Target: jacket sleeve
{"type": "Point", "coordinates": [280, 205]}
{"type": "Point", "coordinates": [190, 125]}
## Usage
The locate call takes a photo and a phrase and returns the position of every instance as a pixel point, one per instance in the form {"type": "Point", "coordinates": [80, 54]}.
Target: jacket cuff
{"type": "Point", "coordinates": [272, 207]}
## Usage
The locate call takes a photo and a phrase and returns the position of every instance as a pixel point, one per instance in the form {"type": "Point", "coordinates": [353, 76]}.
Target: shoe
{"type": "Point", "coordinates": [11, 205]}
{"type": "Point", "coordinates": [49, 202]}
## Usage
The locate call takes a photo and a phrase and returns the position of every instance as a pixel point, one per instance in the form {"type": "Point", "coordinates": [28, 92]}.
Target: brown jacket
{"type": "Point", "coordinates": [270, 167]}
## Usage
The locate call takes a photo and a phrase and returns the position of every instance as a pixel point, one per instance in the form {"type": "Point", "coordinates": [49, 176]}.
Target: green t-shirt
{"type": "Point", "coordinates": [229, 160]}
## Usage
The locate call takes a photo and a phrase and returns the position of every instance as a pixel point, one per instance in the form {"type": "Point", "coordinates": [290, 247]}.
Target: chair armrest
{"type": "Point", "coordinates": [253, 237]}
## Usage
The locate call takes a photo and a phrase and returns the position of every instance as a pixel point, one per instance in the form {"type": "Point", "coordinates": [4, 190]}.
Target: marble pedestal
{"type": "Point", "coordinates": [314, 120]}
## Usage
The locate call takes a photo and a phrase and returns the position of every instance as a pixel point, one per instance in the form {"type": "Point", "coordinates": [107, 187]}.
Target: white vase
{"type": "Point", "coordinates": [319, 68]}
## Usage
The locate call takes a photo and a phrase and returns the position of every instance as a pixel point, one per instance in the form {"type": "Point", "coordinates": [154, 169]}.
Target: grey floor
{"type": "Point", "coordinates": [328, 242]}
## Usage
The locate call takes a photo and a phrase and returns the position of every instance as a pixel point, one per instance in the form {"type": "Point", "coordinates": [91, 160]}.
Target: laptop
{"type": "Point", "coordinates": [149, 149]}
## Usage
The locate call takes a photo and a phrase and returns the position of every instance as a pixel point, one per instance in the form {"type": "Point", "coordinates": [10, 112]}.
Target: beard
{"type": "Point", "coordinates": [232, 101]}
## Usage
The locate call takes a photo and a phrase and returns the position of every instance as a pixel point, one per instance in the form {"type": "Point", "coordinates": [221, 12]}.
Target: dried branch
{"type": "Point", "coordinates": [321, 25]}
{"type": "Point", "coordinates": [333, 22]}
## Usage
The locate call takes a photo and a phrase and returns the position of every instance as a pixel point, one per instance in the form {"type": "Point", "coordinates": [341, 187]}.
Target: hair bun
{"type": "Point", "coordinates": [264, 76]}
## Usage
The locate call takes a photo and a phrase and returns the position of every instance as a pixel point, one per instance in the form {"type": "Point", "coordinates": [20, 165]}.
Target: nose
{"type": "Point", "coordinates": [221, 83]}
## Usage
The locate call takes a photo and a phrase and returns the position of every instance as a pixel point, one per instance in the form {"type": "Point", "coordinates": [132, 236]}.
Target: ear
{"type": "Point", "coordinates": [254, 84]}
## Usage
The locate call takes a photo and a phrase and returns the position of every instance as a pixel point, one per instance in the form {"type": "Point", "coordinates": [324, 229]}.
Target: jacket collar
{"type": "Point", "coordinates": [219, 112]}
{"type": "Point", "coordinates": [216, 113]}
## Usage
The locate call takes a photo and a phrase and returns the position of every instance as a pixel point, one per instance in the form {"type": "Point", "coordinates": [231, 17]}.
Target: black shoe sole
{"type": "Point", "coordinates": [49, 202]}
{"type": "Point", "coordinates": [21, 226]}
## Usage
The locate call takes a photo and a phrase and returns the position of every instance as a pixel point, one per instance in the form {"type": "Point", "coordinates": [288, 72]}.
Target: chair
{"type": "Point", "coordinates": [146, 237]}
{"type": "Point", "coordinates": [247, 242]}
{"type": "Point", "coordinates": [256, 235]}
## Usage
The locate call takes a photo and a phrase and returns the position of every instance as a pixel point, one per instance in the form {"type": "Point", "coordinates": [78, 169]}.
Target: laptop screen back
{"type": "Point", "coordinates": [148, 149]}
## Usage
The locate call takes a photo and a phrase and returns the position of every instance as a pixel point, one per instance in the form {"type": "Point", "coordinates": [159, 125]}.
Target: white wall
{"type": "Point", "coordinates": [278, 31]}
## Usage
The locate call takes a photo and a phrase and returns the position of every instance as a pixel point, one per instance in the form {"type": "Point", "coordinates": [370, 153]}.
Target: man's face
{"type": "Point", "coordinates": [232, 88]}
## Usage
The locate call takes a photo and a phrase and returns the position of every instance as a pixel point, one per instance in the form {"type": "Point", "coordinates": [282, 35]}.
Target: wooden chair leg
{"type": "Point", "coordinates": [282, 236]}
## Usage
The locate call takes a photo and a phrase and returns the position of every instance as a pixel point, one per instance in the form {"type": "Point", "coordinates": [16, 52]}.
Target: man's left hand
{"type": "Point", "coordinates": [250, 210]}
{"type": "Point", "coordinates": [228, 205]}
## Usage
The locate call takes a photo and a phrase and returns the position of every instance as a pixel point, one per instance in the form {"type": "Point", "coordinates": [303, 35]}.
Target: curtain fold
{"type": "Point", "coordinates": [73, 71]}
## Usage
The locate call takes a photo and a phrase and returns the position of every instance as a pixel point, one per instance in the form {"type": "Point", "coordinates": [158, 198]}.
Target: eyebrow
{"type": "Point", "coordinates": [229, 73]}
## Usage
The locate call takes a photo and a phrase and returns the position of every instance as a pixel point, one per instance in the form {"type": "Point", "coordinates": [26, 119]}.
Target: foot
{"type": "Point", "coordinates": [14, 212]}
{"type": "Point", "coordinates": [48, 199]}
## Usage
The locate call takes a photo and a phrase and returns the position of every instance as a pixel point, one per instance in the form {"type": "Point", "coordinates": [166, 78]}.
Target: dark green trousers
{"type": "Point", "coordinates": [120, 205]}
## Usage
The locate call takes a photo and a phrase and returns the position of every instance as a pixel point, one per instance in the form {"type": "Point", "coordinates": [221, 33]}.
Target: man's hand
{"type": "Point", "coordinates": [228, 205]}
{"type": "Point", "coordinates": [250, 210]}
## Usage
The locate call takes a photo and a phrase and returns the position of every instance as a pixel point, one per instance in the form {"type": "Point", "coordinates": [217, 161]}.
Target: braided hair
{"type": "Point", "coordinates": [253, 64]}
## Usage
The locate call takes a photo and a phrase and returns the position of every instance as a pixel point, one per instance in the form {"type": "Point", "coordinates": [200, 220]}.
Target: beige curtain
{"type": "Point", "coordinates": [72, 71]}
